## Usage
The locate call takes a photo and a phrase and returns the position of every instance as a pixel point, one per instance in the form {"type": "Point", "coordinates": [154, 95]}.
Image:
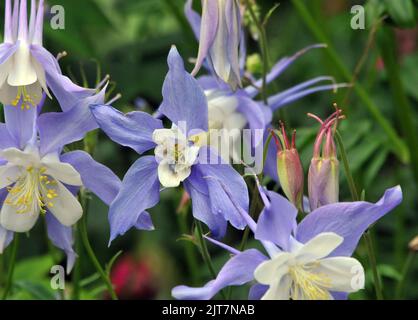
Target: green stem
{"type": "Point", "coordinates": [204, 249]}
{"type": "Point", "coordinates": [93, 258]}
{"type": "Point", "coordinates": [405, 271]}
{"type": "Point", "coordinates": [373, 265]}
{"type": "Point", "coordinates": [188, 247]}
{"type": "Point", "coordinates": [350, 179]}
{"type": "Point", "coordinates": [397, 145]}
{"type": "Point", "coordinates": [77, 268]}
{"type": "Point", "coordinates": [403, 108]}
{"type": "Point", "coordinates": [205, 252]}
{"type": "Point", "coordinates": [12, 264]}
{"type": "Point", "coordinates": [367, 236]}
{"type": "Point", "coordinates": [263, 47]}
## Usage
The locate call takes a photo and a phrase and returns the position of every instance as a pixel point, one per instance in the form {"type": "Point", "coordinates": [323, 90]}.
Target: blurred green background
{"type": "Point", "coordinates": [130, 39]}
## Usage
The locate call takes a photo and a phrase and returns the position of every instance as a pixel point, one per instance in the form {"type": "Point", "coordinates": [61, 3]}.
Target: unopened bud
{"type": "Point", "coordinates": [289, 168]}
{"type": "Point", "coordinates": [323, 177]}
{"type": "Point", "coordinates": [413, 245]}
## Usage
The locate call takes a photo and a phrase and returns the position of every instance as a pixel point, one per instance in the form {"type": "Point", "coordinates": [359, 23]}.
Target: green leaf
{"type": "Point", "coordinates": [390, 272]}
{"type": "Point", "coordinates": [37, 290]}
{"type": "Point", "coordinates": [402, 12]}
{"type": "Point", "coordinates": [34, 268]}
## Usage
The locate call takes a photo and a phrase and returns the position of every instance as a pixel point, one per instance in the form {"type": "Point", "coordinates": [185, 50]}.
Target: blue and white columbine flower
{"type": "Point", "coordinates": [179, 158]}
{"type": "Point", "coordinates": [220, 34]}
{"type": "Point", "coordinates": [36, 178]}
{"type": "Point", "coordinates": [238, 109]}
{"type": "Point", "coordinates": [306, 261]}
{"type": "Point", "coordinates": [27, 69]}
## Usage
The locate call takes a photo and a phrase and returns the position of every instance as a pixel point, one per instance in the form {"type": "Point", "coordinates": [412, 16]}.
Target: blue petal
{"type": "Point", "coordinates": [202, 211]}
{"type": "Point", "coordinates": [144, 222]}
{"type": "Point", "coordinates": [57, 129]}
{"type": "Point", "coordinates": [67, 93]}
{"type": "Point", "coordinates": [253, 111]}
{"type": "Point", "coordinates": [6, 140]}
{"type": "Point", "coordinates": [277, 221]}
{"type": "Point", "coordinates": [257, 291]}
{"type": "Point", "coordinates": [299, 91]}
{"type": "Point", "coordinates": [349, 220]}
{"type": "Point", "coordinates": [61, 237]}
{"type": "Point", "coordinates": [96, 177]}
{"type": "Point", "coordinates": [193, 17]}
{"type": "Point", "coordinates": [132, 130]}
{"type": "Point", "coordinates": [140, 191]}
{"type": "Point", "coordinates": [279, 68]}
{"type": "Point", "coordinates": [6, 51]}
{"type": "Point", "coordinates": [232, 180]}
{"type": "Point", "coordinates": [183, 99]}
{"type": "Point", "coordinates": [20, 124]}
{"type": "Point", "coordinates": [237, 271]}
{"type": "Point", "coordinates": [270, 165]}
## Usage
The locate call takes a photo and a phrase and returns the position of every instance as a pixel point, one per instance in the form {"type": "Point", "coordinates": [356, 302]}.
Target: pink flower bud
{"type": "Point", "coordinates": [289, 168]}
{"type": "Point", "coordinates": [323, 178]}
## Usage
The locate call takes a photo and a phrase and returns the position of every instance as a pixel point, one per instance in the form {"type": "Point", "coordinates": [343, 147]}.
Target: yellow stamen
{"type": "Point", "coordinates": [27, 193]}
{"type": "Point", "coordinates": [25, 98]}
{"type": "Point", "coordinates": [309, 284]}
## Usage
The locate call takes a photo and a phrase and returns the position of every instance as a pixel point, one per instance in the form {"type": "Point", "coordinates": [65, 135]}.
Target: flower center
{"type": "Point", "coordinates": [308, 284]}
{"type": "Point", "coordinates": [33, 191]}
{"type": "Point", "coordinates": [27, 100]}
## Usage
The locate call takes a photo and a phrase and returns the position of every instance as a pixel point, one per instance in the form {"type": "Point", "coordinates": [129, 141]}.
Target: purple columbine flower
{"type": "Point", "coordinates": [236, 110]}
{"type": "Point", "coordinates": [36, 178]}
{"type": "Point", "coordinates": [27, 69]}
{"type": "Point", "coordinates": [220, 33]}
{"type": "Point", "coordinates": [309, 260]}
{"type": "Point", "coordinates": [180, 157]}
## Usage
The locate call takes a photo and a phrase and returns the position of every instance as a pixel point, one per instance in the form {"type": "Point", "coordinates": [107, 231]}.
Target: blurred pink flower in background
{"type": "Point", "coordinates": [133, 279]}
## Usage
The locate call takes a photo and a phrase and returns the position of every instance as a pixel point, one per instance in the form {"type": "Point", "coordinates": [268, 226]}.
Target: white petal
{"type": "Point", "coordinates": [170, 179]}
{"type": "Point", "coordinates": [4, 71]}
{"type": "Point", "coordinates": [22, 73]}
{"type": "Point", "coordinates": [66, 207]}
{"type": "Point", "coordinates": [224, 103]}
{"type": "Point", "coordinates": [8, 94]}
{"type": "Point", "coordinates": [160, 136]}
{"type": "Point", "coordinates": [235, 121]}
{"type": "Point", "coordinates": [270, 272]}
{"type": "Point", "coordinates": [279, 290]}
{"type": "Point", "coordinates": [218, 53]}
{"type": "Point", "coordinates": [319, 247]}
{"type": "Point", "coordinates": [345, 274]}
{"type": "Point", "coordinates": [40, 73]}
{"type": "Point", "coordinates": [8, 175]}
{"type": "Point", "coordinates": [17, 222]}
{"type": "Point", "coordinates": [63, 172]}
{"type": "Point", "coordinates": [191, 154]}
{"type": "Point", "coordinates": [19, 158]}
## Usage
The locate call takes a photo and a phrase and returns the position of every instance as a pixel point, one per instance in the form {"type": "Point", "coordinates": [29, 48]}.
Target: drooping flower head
{"type": "Point", "coordinates": [38, 179]}
{"type": "Point", "coordinates": [306, 261]}
{"type": "Point", "coordinates": [27, 69]}
{"type": "Point", "coordinates": [323, 179]}
{"type": "Point", "coordinates": [180, 157]}
{"type": "Point", "coordinates": [220, 35]}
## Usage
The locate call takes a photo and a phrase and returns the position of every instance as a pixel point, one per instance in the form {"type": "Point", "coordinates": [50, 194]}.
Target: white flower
{"type": "Point", "coordinates": [22, 77]}
{"type": "Point", "coordinates": [225, 124]}
{"type": "Point", "coordinates": [306, 273]}
{"type": "Point", "coordinates": [176, 155]}
{"type": "Point", "coordinates": [35, 185]}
